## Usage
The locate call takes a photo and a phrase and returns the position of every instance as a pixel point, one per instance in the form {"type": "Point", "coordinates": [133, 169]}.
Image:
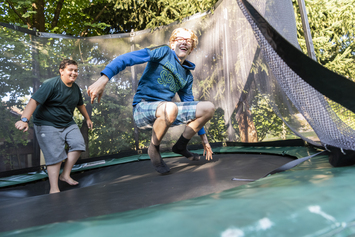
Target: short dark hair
{"type": "Point", "coordinates": [67, 62]}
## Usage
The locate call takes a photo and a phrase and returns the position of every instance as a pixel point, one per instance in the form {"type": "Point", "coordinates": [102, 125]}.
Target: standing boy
{"type": "Point", "coordinates": [52, 107]}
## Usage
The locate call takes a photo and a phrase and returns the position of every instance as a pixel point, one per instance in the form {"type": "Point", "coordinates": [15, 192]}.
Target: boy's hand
{"type": "Point", "coordinates": [90, 124]}
{"type": "Point", "coordinates": [207, 149]}
{"type": "Point", "coordinates": [21, 126]}
{"type": "Point", "coordinates": [97, 89]}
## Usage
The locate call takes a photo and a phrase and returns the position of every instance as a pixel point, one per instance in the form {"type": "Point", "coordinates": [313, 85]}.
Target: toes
{"type": "Point", "coordinates": [161, 167]}
{"type": "Point", "coordinates": [70, 181]}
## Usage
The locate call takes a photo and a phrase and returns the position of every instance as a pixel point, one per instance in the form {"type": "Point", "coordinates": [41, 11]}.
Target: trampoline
{"type": "Point", "coordinates": [129, 186]}
{"type": "Point", "coordinates": [198, 199]}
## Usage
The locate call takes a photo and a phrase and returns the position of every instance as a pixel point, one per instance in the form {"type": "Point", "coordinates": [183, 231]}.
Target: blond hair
{"type": "Point", "coordinates": [177, 30]}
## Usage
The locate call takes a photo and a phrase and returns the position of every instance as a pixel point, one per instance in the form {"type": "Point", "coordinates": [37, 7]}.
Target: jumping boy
{"type": "Point", "coordinates": [167, 73]}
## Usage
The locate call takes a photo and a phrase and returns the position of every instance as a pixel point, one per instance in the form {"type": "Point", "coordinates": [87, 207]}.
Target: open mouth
{"type": "Point", "coordinates": [183, 48]}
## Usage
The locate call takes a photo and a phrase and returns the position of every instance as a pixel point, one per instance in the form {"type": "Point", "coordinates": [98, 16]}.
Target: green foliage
{"type": "Point", "coordinates": [344, 114]}
{"type": "Point", "coordinates": [12, 87]}
{"type": "Point", "coordinates": [333, 33]}
{"type": "Point", "coordinates": [266, 121]}
{"type": "Point", "coordinates": [149, 14]}
{"type": "Point", "coordinates": [10, 138]}
{"type": "Point", "coordinates": [7, 126]}
{"type": "Point", "coordinates": [332, 27]}
{"type": "Point", "coordinates": [71, 20]}
{"type": "Point", "coordinates": [267, 124]}
{"type": "Point", "coordinates": [113, 123]}
{"type": "Point", "coordinates": [98, 17]}
{"type": "Point", "coordinates": [217, 130]}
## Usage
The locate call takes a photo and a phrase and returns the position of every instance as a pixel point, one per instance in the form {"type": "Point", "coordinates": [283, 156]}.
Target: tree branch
{"type": "Point", "coordinates": [57, 13]}
{"type": "Point", "coordinates": [38, 18]}
{"type": "Point", "coordinates": [25, 21]}
{"type": "Point", "coordinates": [97, 17]}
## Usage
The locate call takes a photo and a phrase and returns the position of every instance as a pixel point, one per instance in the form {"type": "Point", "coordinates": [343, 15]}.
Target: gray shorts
{"type": "Point", "coordinates": [52, 142]}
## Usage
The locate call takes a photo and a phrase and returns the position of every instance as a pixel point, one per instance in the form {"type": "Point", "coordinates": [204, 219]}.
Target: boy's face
{"type": "Point", "coordinates": [182, 45]}
{"type": "Point", "coordinates": [69, 74]}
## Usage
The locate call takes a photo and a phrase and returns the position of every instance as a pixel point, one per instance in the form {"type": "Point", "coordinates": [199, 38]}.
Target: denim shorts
{"type": "Point", "coordinates": [144, 113]}
{"type": "Point", "coordinates": [52, 142]}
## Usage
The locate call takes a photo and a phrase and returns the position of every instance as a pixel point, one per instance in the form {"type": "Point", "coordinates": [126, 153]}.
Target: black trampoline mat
{"type": "Point", "coordinates": [128, 186]}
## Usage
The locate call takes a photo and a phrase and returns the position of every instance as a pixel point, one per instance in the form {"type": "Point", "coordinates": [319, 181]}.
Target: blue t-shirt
{"type": "Point", "coordinates": [162, 78]}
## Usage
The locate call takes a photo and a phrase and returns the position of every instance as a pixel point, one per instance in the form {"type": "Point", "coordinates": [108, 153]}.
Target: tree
{"type": "Point", "coordinates": [63, 17]}
{"type": "Point", "coordinates": [149, 14]}
{"type": "Point", "coordinates": [332, 28]}
{"type": "Point", "coordinates": [98, 17]}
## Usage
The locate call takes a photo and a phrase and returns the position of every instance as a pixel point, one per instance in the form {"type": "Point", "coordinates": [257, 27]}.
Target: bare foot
{"type": "Point", "coordinates": [69, 180]}
{"type": "Point", "coordinates": [54, 191]}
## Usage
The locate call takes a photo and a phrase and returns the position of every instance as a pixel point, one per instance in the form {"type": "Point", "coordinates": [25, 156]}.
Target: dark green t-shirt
{"type": "Point", "coordinates": [56, 103]}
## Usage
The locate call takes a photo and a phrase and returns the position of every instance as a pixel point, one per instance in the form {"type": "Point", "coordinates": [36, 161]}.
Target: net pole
{"type": "Point", "coordinates": [134, 88]}
{"type": "Point", "coordinates": [306, 30]}
{"type": "Point", "coordinates": [35, 72]}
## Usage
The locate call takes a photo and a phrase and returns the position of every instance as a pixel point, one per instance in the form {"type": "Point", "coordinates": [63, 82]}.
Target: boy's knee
{"type": "Point", "coordinates": [77, 145]}
{"type": "Point", "coordinates": [167, 110]}
{"type": "Point", "coordinates": [209, 108]}
{"type": "Point", "coordinates": [205, 109]}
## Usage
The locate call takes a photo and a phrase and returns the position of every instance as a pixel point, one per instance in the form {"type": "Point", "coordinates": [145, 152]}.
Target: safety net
{"type": "Point", "coordinates": [235, 69]}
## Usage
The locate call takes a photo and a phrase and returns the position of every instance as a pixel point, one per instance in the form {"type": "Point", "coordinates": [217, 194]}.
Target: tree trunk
{"type": "Point", "coordinates": [246, 125]}
{"type": "Point", "coordinates": [57, 13]}
{"type": "Point", "coordinates": [38, 18]}
{"type": "Point", "coordinates": [247, 130]}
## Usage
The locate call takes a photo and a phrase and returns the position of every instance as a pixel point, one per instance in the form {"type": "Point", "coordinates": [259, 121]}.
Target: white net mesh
{"type": "Point", "coordinates": [330, 129]}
